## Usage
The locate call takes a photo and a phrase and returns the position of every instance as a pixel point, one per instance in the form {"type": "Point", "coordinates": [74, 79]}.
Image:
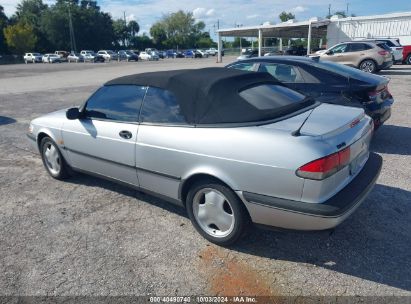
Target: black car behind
{"type": "Point", "coordinates": [327, 82]}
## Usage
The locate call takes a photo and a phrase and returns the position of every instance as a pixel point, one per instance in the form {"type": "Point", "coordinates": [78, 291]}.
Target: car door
{"type": "Point", "coordinates": [159, 167]}
{"type": "Point", "coordinates": [103, 140]}
{"type": "Point", "coordinates": [336, 53]}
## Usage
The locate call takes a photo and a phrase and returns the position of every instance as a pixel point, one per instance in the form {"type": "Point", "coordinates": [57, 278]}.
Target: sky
{"type": "Point", "coordinates": [229, 13]}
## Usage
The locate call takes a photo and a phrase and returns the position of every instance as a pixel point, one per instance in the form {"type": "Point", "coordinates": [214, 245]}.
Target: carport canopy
{"type": "Point", "coordinates": [313, 28]}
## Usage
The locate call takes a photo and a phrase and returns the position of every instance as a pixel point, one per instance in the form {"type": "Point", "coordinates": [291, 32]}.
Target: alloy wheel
{"type": "Point", "coordinates": [213, 212]}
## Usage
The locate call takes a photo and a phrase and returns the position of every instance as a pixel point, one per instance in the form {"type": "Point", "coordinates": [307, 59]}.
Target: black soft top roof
{"type": "Point", "coordinates": [206, 96]}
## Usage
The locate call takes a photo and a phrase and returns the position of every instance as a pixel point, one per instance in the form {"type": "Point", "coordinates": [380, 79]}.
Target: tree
{"type": "Point", "coordinates": [121, 33]}
{"type": "Point", "coordinates": [284, 16]}
{"type": "Point", "coordinates": [92, 29]}
{"type": "Point", "coordinates": [3, 23]}
{"type": "Point", "coordinates": [133, 28]}
{"type": "Point", "coordinates": [141, 42]}
{"type": "Point", "coordinates": [20, 37]}
{"type": "Point", "coordinates": [177, 29]}
{"type": "Point", "coordinates": [244, 42]}
{"type": "Point", "coordinates": [159, 34]}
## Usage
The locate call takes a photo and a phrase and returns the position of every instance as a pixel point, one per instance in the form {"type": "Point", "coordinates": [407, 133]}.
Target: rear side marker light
{"type": "Point", "coordinates": [383, 53]}
{"type": "Point", "coordinates": [324, 167]}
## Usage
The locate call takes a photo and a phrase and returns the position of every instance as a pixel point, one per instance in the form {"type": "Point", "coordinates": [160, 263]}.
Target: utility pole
{"type": "Point", "coordinates": [125, 25]}
{"type": "Point", "coordinates": [71, 29]}
{"type": "Point", "coordinates": [329, 10]}
{"type": "Point", "coordinates": [347, 8]}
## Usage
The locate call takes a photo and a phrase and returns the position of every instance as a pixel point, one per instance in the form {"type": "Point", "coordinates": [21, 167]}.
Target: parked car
{"type": "Point", "coordinates": [62, 54]}
{"type": "Point", "coordinates": [171, 54]}
{"type": "Point", "coordinates": [91, 56]}
{"type": "Point", "coordinates": [200, 54]}
{"type": "Point", "coordinates": [328, 82]}
{"type": "Point", "coordinates": [75, 57]}
{"type": "Point", "coordinates": [32, 57]}
{"type": "Point", "coordinates": [367, 56]}
{"type": "Point", "coordinates": [162, 54]}
{"type": "Point", "coordinates": [154, 55]}
{"type": "Point", "coordinates": [127, 55]}
{"type": "Point", "coordinates": [188, 54]}
{"type": "Point", "coordinates": [247, 150]}
{"type": "Point", "coordinates": [406, 54]}
{"type": "Point", "coordinates": [212, 51]}
{"type": "Point", "coordinates": [394, 45]}
{"type": "Point", "coordinates": [144, 56]}
{"type": "Point", "coordinates": [248, 54]}
{"type": "Point", "coordinates": [51, 58]}
{"type": "Point", "coordinates": [296, 50]}
{"type": "Point", "coordinates": [179, 54]}
{"type": "Point", "coordinates": [108, 55]}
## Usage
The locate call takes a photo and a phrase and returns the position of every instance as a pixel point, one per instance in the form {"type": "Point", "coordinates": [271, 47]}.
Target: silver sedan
{"type": "Point", "coordinates": [232, 147]}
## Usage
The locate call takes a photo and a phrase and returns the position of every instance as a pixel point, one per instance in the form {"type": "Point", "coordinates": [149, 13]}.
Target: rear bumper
{"type": "Point", "coordinates": [385, 65]}
{"type": "Point", "coordinates": [290, 214]}
{"type": "Point", "coordinates": [380, 112]}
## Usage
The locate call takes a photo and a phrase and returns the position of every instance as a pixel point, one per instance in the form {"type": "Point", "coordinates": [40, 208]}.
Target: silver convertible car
{"type": "Point", "coordinates": [232, 147]}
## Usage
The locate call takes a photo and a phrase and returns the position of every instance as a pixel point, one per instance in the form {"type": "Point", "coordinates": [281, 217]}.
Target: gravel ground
{"type": "Point", "coordinates": [88, 236]}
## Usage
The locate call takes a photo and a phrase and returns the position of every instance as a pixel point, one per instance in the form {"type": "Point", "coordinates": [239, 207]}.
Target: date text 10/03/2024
{"type": "Point", "coordinates": [203, 299]}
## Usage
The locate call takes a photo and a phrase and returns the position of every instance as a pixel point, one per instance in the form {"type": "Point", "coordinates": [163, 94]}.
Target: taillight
{"type": "Point", "coordinates": [383, 53]}
{"type": "Point", "coordinates": [324, 167]}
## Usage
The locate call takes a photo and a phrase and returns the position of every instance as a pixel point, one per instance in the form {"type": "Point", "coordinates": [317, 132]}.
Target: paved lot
{"type": "Point", "coordinates": [91, 237]}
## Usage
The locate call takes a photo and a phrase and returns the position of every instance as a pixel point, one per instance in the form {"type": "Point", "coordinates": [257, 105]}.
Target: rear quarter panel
{"type": "Point", "coordinates": [253, 159]}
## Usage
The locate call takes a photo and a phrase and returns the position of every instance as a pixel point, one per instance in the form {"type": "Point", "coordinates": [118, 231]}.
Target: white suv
{"type": "Point", "coordinates": [108, 55]}
{"type": "Point", "coordinates": [32, 57]}
{"type": "Point", "coordinates": [394, 45]}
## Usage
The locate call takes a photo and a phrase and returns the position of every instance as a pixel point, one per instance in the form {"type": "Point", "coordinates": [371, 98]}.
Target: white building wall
{"type": "Point", "coordinates": [381, 26]}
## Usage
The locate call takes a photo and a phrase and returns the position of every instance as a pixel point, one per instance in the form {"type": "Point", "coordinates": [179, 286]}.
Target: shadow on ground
{"type": "Point", "coordinates": [372, 244]}
{"type": "Point", "coordinates": [4, 120]}
{"type": "Point", "coordinates": [390, 139]}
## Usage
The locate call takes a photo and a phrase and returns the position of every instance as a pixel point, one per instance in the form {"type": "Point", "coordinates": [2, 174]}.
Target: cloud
{"type": "Point", "coordinates": [201, 12]}
{"type": "Point", "coordinates": [298, 9]}
{"type": "Point", "coordinates": [252, 16]}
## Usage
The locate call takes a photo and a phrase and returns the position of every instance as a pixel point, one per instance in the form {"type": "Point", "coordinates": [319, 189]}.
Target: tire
{"type": "Point", "coordinates": [368, 65]}
{"type": "Point", "coordinates": [53, 161]}
{"type": "Point", "coordinates": [217, 199]}
{"type": "Point", "coordinates": [408, 59]}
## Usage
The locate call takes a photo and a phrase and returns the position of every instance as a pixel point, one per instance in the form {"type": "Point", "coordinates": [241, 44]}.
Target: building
{"type": "Point", "coordinates": [335, 29]}
{"type": "Point", "coordinates": [397, 25]}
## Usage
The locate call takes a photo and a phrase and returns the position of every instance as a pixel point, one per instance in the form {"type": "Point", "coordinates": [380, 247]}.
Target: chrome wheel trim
{"type": "Point", "coordinates": [213, 212]}
{"type": "Point", "coordinates": [52, 158]}
{"type": "Point", "coordinates": [367, 66]}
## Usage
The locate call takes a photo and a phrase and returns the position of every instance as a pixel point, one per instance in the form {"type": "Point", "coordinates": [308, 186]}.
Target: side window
{"type": "Point", "coordinates": [117, 102]}
{"type": "Point", "coordinates": [342, 48]}
{"type": "Point", "coordinates": [161, 106]}
{"type": "Point", "coordinates": [243, 66]}
{"type": "Point", "coordinates": [282, 72]}
{"type": "Point", "coordinates": [357, 47]}
{"type": "Point", "coordinates": [387, 42]}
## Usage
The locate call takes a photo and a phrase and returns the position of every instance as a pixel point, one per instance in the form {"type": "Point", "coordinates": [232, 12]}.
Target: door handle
{"type": "Point", "coordinates": [125, 134]}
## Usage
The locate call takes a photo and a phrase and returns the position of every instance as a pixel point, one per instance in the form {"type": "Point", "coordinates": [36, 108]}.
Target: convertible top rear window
{"type": "Point", "coordinates": [270, 97]}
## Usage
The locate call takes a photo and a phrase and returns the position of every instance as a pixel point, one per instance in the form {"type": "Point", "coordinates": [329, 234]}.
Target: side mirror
{"type": "Point", "coordinates": [73, 113]}
{"type": "Point", "coordinates": [329, 52]}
